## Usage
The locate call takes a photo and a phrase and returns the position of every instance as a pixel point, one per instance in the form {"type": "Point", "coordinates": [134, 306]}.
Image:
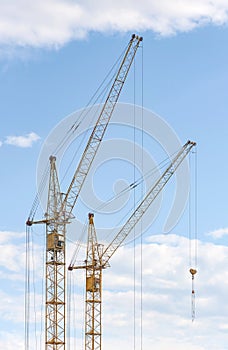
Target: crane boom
{"type": "Point", "coordinates": [144, 205]}
{"type": "Point", "coordinates": [97, 259]}
{"type": "Point", "coordinates": [59, 211]}
{"type": "Point", "coordinates": [99, 128]}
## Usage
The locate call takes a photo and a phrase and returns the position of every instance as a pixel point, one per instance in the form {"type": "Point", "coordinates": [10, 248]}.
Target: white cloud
{"type": "Point", "coordinates": [6, 236]}
{"type": "Point", "coordinates": [12, 258]}
{"type": "Point", "coordinates": [22, 141]}
{"type": "Point", "coordinates": [166, 294]}
{"type": "Point", "coordinates": [11, 340]}
{"type": "Point", "coordinates": [219, 233]}
{"type": "Point", "coordinates": [12, 287]}
{"type": "Point", "coordinates": [53, 23]}
{"type": "Point", "coordinates": [13, 255]}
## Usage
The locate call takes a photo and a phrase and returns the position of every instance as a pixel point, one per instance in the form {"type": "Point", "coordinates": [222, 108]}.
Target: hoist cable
{"type": "Point", "coordinates": [42, 324]}
{"type": "Point", "coordinates": [92, 101]}
{"type": "Point", "coordinates": [83, 312]}
{"type": "Point", "coordinates": [134, 232]}
{"type": "Point", "coordinates": [78, 245]}
{"type": "Point", "coordinates": [192, 216]}
{"type": "Point", "coordinates": [27, 287]}
{"type": "Point", "coordinates": [141, 240]}
{"type": "Point", "coordinates": [33, 269]}
{"type": "Point", "coordinates": [85, 135]}
{"type": "Point", "coordinates": [39, 193]}
{"type": "Point", "coordinates": [190, 220]}
{"type": "Point", "coordinates": [193, 239]}
{"type": "Point", "coordinates": [85, 111]}
{"type": "Point", "coordinates": [196, 209]}
{"type": "Point", "coordinates": [30, 289]}
{"type": "Point", "coordinates": [136, 183]}
{"type": "Point", "coordinates": [72, 130]}
{"type": "Point", "coordinates": [132, 187]}
{"type": "Point", "coordinates": [69, 308]}
{"type": "Point", "coordinates": [44, 177]}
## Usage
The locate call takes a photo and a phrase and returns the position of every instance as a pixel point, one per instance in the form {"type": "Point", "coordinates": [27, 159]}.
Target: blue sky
{"type": "Point", "coordinates": [53, 56]}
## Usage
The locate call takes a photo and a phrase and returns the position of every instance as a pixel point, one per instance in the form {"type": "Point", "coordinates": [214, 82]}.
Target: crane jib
{"type": "Point", "coordinates": [146, 202]}
{"type": "Point", "coordinates": [100, 127]}
{"type": "Point", "coordinates": [97, 259]}
{"type": "Point", "coordinates": [59, 212]}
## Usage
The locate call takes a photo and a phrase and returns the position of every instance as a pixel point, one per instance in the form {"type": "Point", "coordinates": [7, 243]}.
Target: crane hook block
{"type": "Point", "coordinates": [193, 272]}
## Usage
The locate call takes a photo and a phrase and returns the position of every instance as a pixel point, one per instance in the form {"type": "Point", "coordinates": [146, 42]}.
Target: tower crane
{"type": "Point", "coordinates": [97, 259]}
{"type": "Point", "coordinates": [60, 207]}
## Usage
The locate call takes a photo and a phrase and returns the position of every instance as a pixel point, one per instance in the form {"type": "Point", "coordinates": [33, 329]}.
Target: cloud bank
{"type": "Point", "coordinates": [165, 298]}
{"type": "Point", "coordinates": [166, 295]}
{"type": "Point", "coordinates": [219, 233]}
{"type": "Point", "coordinates": [53, 23]}
{"type": "Point", "coordinates": [22, 141]}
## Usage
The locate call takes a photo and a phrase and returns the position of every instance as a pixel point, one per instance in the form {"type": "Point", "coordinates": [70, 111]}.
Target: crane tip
{"type": "Point", "coordinates": [91, 216]}
{"type": "Point", "coordinates": [134, 36]}
{"type": "Point", "coordinates": [29, 222]}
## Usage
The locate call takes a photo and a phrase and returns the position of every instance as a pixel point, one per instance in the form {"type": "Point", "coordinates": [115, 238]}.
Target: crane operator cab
{"type": "Point", "coordinates": [55, 241]}
{"type": "Point", "coordinates": [92, 284]}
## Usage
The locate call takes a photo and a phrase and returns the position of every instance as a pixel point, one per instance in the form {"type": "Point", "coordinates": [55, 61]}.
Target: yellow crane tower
{"type": "Point", "coordinates": [97, 259]}
{"type": "Point", "coordinates": [59, 211]}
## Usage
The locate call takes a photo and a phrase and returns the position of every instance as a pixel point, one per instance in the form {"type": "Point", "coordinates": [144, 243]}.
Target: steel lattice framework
{"type": "Point", "coordinates": [93, 290]}
{"type": "Point", "coordinates": [97, 259]}
{"type": "Point", "coordinates": [55, 266]}
{"type": "Point", "coordinates": [146, 202]}
{"type": "Point", "coordinates": [93, 298]}
{"type": "Point", "coordinates": [100, 127]}
{"type": "Point", "coordinates": [59, 212]}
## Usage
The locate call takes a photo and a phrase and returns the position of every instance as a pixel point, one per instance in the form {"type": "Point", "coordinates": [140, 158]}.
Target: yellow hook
{"type": "Point", "coordinates": [193, 272]}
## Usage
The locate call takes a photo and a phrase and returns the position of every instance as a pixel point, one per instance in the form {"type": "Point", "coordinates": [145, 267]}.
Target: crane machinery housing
{"type": "Point", "coordinates": [60, 207]}
{"type": "Point", "coordinates": [97, 259]}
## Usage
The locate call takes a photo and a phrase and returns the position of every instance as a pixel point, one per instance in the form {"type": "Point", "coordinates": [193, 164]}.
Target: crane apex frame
{"type": "Point", "coordinates": [59, 211]}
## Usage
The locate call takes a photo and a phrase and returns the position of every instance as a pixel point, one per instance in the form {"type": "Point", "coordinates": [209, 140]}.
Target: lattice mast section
{"type": "Point", "coordinates": [55, 267]}
{"type": "Point", "coordinates": [93, 290]}
{"type": "Point", "coordinates": [93, 298]}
